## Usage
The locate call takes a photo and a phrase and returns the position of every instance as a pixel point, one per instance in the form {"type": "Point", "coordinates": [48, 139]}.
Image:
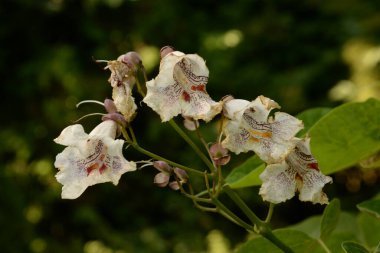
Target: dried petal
{"type": "Point", "coordinates": [124, 102]}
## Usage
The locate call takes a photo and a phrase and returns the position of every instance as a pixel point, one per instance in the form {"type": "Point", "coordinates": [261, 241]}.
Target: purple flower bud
{"type": "Point", "coordinates": [162, 166]}
{"type": "Point", "coordinates": [162, 179]}
{"type": "Point", "coordinates": [223, 160]}
{"type": "Point", "coordinates": [110, 105]}
{"type": "Point", "coordinates": [166, 50]}
{"type": "Point", "coordinates": [219, 154]}
{"type": "Point", "coordinates": [117, 117]}
{"type": "Point", "coordinates": [174, 185]}
{"type": "Point", "coordinates": [131, 59]}
{"type": "Point", "coordinates": [181, 174]}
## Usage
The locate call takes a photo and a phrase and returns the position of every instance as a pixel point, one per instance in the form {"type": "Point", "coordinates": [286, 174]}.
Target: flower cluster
{"type": "Point", "coordinates": [180, 89]}
{"type": "Point", "coordinates": [290, 164]}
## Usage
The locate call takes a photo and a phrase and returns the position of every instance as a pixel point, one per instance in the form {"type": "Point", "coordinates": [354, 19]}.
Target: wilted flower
{"type": "Point", "coordinates": [122, 79]}
{"type": "Point", "coordinates": [180, 88]}
{"type": "Point", "coordinates": [90, 159]}
{"type": "Point", "coordinates": [299, 172]}
{"type": "Point", "coordinates": [249, 127]}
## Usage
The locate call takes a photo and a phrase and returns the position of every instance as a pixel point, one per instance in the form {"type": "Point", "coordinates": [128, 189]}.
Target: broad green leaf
{"type": "Point", "coordinates": [330, 218]}
{"type": "Point", "coordinates": [311, 226]}
{"type": "Point", "coordinates": [310, 117]}
{"type": "Point", "coordinates": [298, 241]}
{"type": "Point", "coordinates": [346, 135]}
{"type": "Point", "coordinates": [246, 174]}
{"type": "Point", "coordinates": [334, 241]}
{"type": "Point", "coordinates": [371, 207]}
{"type": "Point", "coordinates": [369, 229]}
{"type": "Point", "coordinates": [354, 247]}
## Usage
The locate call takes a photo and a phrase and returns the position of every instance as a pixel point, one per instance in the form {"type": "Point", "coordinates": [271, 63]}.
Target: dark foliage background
{"type": "Point", "coordinates": [290, 51]}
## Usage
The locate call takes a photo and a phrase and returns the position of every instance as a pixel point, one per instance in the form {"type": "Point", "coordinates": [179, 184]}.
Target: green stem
{"type": "Point", "coordinates": [324, 246]}
{"type": "Point", "coordinates": [261, 227]}
{"type": "Point", "coordinates": [160, 158]}
{"type": "Point", "coordinates": [233, 216]}
{"type": "Point", "coordinates": [136, 146]}
{"type": "Point", "coordinates": [192, 145]}
{"type": "Point", "coordinates": [270, 213]}
{"type": "Point", "coordinates": [243, 206]}
{"type": "Point", "coordinates": [272, 238]}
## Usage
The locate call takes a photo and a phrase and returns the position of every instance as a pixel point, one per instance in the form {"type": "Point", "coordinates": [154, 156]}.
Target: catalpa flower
{"type": "Point", "coordinates": [249, 128]}
{"type": "Point", "coordinates": [122, 80]}
{"type": "Point", "coordinates": [180, 88]}
{"type": "Point", "coordinates": [90, 159]}
{"type": "Point", "coordinates": [299, 172]}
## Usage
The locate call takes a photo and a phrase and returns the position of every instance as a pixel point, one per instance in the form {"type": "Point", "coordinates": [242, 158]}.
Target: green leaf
{"type": "Point", "coordinates": [346, 135]}
{"type": "Point", "coordinates": [369, 229]}
{"type": "Point", "coordinates": [310, 117]}
{"type": "Point", "coordinates": [246, 174]}
{"type": "Point", "coordinates": [330, 218]}
{"type": "Point", "coordinates": [298, 241]}
{"type": "Point", "coordinates": [354, 247]}
{"type": "Point", "coordinates": [334, 241]}
{"type": "Point", "coordinates": [310, 226]}
{"type": "Point", "coordinates": [370, 206]}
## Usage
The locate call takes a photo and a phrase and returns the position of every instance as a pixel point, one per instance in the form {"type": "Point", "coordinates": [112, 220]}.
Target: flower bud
{"type": "Point", "coordinates": [166, 50]}
{"type": "Point", "coordinates": [117, 117]}
{"type": "Point", "coordinates": [162, 166]}
{"type": "Point", "coordinates": [110, 105]}
{"type": "Point", "coordinates": [190, 124]}
{"type": "Point", "coordinates": [131, 59]}
{"type": "Point", "coordinates": [162, 179]}
{"type": "Point", "coordinates": [219, 154]}
{"type": "Point", "coordinates": [181, 175]}
{"type": "Point", "coordinates": [174, 185]}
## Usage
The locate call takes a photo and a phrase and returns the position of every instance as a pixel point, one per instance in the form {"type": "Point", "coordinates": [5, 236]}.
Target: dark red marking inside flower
{"type": "Point", "coordinates": [91, 168]}
{"type": "Point", "coordinates": [98, 164]}
{"type": "Point", "coordinates": [313, 166]}
{"type": "Point", "coordinates": [186, 96]}
{"type": "Point", "coordinates": [102, 169]}
{"type": "Point", "coordinates": [200, 87]}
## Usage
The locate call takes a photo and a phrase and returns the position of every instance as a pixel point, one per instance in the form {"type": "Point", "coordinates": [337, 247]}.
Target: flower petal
{"type": "Point", "coordinates": [71, 135]}
{"type": "Point", "coordinates": [278, 183]}
{"type": "Point", "coordinates": [164, 100]}
{"type": "Point", "coordinates": [311, 187]}
{"type": "Point", "coordinates": [234, 109]}
{"type": "Point", "coordinates": [311, 180]}
{"type": "Point", "coordinates": [107, 128]}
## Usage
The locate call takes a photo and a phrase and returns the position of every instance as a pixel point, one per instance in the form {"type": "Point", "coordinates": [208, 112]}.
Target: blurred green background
{"type": "Point", "coordinates": [300, 53]}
